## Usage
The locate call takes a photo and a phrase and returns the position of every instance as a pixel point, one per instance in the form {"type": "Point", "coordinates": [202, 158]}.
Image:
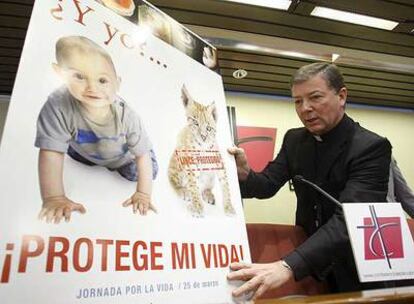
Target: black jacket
{"type": "Point", "coordinates": [350, 163]}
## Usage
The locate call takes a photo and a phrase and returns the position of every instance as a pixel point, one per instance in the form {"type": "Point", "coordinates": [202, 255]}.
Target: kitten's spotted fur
{"type": "Point", "coordinates": [196, 186]}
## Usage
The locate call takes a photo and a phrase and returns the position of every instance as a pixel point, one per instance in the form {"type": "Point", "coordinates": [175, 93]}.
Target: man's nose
{"type": "Point", "coordinates": [306, 105]}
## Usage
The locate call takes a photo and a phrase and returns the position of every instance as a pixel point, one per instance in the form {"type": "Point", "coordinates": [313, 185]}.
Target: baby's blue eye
{"type": "Point", "coordinates": [208, 128]}
{"type": "Point", "coordinates": [103, 80]}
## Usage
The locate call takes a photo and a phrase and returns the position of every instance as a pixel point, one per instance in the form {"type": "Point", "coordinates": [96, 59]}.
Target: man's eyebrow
{"type": "Point", "coordinates": [315, 91]}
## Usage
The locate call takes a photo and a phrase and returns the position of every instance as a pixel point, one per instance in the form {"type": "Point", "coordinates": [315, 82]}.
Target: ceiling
{"type": "Point", "coordinates": [378, 65]}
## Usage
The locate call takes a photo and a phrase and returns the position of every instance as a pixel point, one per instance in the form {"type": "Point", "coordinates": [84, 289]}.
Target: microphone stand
{"type": "Point", "coordinates": [300, 178]}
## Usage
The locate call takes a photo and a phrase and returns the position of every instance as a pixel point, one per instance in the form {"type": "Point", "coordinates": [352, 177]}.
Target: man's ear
{"type": "Point", "coordinates": [342, 94]}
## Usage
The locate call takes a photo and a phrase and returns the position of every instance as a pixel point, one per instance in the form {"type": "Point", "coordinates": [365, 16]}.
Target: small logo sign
{"type": "Point", "coordinates": [382, 237]}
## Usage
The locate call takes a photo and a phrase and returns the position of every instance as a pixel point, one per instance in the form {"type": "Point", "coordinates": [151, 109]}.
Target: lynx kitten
{"type": "Point", "coordinates": [191, 179]}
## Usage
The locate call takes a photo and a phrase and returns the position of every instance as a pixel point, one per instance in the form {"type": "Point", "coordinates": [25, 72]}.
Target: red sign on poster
{"type": "Point", "coordinates": [259, 145]}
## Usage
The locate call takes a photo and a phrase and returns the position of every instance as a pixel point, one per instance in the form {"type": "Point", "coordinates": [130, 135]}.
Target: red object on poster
{"type": "Point", "coordinates": [258, 143]}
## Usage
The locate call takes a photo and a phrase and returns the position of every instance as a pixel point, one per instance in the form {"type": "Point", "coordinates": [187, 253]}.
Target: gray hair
{"type": "Point", "coordinates": [328, 71]}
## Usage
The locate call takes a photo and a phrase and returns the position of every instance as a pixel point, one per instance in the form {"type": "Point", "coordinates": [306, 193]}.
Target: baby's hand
{"type": "Point", "coordinates": [57, 207]}
{"type": "Point", "coordinates": [140, 202]}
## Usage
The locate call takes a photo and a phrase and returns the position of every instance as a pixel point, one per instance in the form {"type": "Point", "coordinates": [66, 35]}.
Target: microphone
{"type": "Point", "coordinates": [300, 178]}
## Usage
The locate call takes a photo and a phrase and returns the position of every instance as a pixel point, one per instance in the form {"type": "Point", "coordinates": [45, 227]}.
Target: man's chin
{"type": "Point", "coordinates": [315, 130]}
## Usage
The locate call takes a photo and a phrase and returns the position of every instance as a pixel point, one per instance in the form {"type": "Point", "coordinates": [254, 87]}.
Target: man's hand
{"type": "Point", "coordinates": [259, 277]}
{"type": "Point", "coordinates": [55, 208]}
{"type": "Point", "coordinates": [243, 168]}
{"type": "Point", "coordinates": [140, 202]}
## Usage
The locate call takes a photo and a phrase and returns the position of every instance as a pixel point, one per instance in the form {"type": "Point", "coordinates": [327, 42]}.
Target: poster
{"type": "Point", "coordinates": [166, 28]}
{"type": "Point", "coordinates": [85, 74]}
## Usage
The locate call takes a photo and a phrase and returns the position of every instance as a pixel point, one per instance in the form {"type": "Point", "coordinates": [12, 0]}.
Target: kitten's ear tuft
{"type": "Point", "coordinates": [184, 95]}
{"type": "Point", "coordinates": [213, 110]}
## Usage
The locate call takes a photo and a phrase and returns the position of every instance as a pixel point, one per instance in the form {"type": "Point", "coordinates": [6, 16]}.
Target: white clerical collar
{"type": "Point", "coordinates": [318, 138]}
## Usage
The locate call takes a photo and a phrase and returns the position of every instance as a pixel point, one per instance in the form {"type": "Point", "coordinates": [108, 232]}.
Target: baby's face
{"type": "Point", "coordinates": [90, 78]}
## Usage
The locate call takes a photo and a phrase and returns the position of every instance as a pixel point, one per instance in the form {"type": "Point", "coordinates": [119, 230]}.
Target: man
{"type": "Point", "coordinates": [399, 190]}
{"type": "Point", "coordinates": [346, 160]}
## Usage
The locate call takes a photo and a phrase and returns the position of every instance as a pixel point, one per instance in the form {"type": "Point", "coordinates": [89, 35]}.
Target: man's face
{"type": "Point", "coordinates": [319, 107]}
{"type": "Point", "coordinates": [90, 78]}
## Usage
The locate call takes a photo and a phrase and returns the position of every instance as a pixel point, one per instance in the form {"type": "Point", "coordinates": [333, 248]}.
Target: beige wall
{"type": "Point", "coordinates": [267, 111]}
